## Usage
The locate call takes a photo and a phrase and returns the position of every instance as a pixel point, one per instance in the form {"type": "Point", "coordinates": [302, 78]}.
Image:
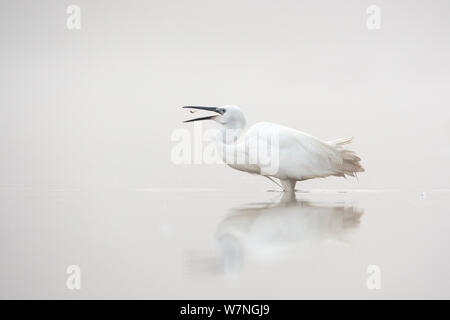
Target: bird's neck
{"type": "Point", "coordinates": [228, 142]}
{"type": "Point", "coordinates": [231, 132]}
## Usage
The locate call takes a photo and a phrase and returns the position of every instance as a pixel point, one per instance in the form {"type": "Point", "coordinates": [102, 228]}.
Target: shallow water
{"type": "Point", "coordinates": [209, 243]}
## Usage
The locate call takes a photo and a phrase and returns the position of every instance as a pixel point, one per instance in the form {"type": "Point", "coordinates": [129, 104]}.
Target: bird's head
{"type": "Point", "coordinates": [228, 116]}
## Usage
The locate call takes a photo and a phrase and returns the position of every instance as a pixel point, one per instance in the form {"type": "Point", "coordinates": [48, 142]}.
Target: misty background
{"type": "Point", "coordinates": [87, 179]}
{"type": "Point", "coordinates": [96, 107]}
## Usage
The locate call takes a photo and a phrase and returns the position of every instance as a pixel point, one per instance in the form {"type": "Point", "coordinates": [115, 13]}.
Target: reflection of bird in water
{"type": "Point", "coordinates": [264, 229]}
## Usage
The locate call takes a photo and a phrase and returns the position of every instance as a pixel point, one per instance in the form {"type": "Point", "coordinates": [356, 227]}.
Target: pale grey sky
{"type": "Point", "coordinates": [97, 106]}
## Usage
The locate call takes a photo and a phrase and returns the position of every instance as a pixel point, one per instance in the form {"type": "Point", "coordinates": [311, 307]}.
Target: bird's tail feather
{"type": "Point", "coordinates": [341, 141]}
{"type": "Point", "coordinates": [351, 163]}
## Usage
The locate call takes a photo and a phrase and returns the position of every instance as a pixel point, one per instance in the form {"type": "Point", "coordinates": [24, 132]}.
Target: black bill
{"type": "Point", "coordinates": [214, 109]}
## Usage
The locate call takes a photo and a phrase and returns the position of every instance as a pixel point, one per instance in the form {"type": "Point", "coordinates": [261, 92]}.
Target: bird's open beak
{"type": "Point", "coordinates": [202, 108]}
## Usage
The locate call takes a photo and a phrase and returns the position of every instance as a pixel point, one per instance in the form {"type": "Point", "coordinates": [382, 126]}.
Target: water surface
{"type": "Point", "coordinates": [210, 243]}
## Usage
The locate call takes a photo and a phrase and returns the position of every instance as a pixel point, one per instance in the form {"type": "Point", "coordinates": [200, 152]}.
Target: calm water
{"type": "Point", "coordinates": [208, 243]}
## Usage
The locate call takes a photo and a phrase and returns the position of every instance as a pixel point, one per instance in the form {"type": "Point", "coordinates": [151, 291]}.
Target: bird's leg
{"type": "Point", "coordinates": [288, 197]}
{"type": "Point", "coordinates": [274, 181]}
{"type": "Point", "coordinates": [288, 185]}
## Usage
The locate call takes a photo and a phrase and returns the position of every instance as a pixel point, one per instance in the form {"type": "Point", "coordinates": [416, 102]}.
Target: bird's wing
{"type": "Point", "coordinates": [302, 156]}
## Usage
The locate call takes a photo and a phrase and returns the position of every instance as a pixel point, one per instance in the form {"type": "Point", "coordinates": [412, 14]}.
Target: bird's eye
{"type": "Point", "coordinates": [222, 110]}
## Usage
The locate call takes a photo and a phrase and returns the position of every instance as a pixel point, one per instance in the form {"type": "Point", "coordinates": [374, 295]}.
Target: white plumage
{"type": "Point", "coordinates": [294, 155]}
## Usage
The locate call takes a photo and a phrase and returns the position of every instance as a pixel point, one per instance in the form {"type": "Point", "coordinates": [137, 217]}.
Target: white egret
{"type": "Point", "coordinates": [299, 156]}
